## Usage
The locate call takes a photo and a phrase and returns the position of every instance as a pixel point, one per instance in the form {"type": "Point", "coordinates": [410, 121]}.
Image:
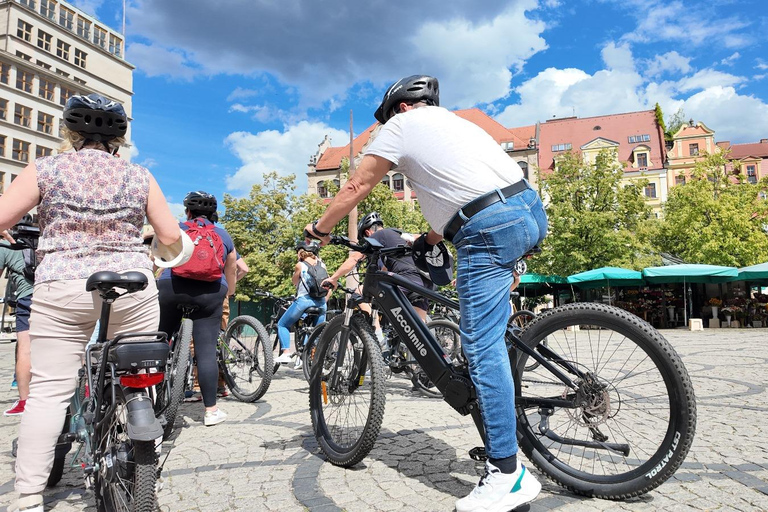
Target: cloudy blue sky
{"type": "Point", "coordinates": [229, 89]}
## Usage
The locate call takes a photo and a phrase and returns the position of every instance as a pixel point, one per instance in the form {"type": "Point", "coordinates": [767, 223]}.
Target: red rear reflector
{"type": "Point", "coordinates": [141, 380]}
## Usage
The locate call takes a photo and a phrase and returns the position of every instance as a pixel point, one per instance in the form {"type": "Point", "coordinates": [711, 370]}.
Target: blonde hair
{"type": "Point", "coordinates": [306, 254]}
{"type": "Point", "coordinates": [75, 140]}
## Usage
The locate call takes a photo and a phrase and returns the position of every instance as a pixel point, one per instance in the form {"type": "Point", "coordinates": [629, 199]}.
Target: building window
{"type": "Point", "coordinates": [524, 167]}
{"type": "Point", "coordinates": [2, 153]}
{"type": "Point", "coordinates": [20, 150]}
{"type": "Point", "coordinates": [66, 17]}
{"type": "Point", "coordinates": [79, 80]}
{"type": "Point", "coordinates": [397, 182]}
{"type": "Point", "coordinates": [83, 28]}
{"type": "Point", "coordinates": [642, 160]}
{"type": "Point", "coordinates": [100, 37]}
{"type": "Point", "coordinates": [45, 123]}
{"type": "Point", "coordinates": [48, 9]}
{"type": "Point", "coordinates": [62, 49]}
{"type": "Point", "coordinates": [680, 179]}
{"type": "Point", "coordinates": [3, 109]}
{"type": "Point", "coordinates": [633, 139]}
{"type": "Point", "coordinates": [650, 191]}
{"type": "Point", "coordinates": [45, 90]}
{"type": "Point", "coordinates": [5, 71]}
{"type": "Point", "coordinates": [561, 147]}
{"type": "Point", "coordinates": [322, 191]}
{"type": "Point", "coordinates": [24, 80]}
{"type": "Point", "coordinates": [43, 65]}
{"type": "Point", "coordinates": [508, 146]}
{"type": "Point", "coordinates": [385, 180]}
{"type": "Point", "coordinates": [751, 174]}
{"type": "Point", "coordinates": [24, 31]}
{"type": "Point", "coordinates": [22, 116]}
{"type": "Point", "coordinates": [115, 45]}
{"type": "Point", "coordinates": [44, 40]}
{"type": "Point", "coordinates": [28, 3]}
{"type": "Point", "coordinates": [24, 56]}
{"type": "Point", "coordinates": [80, 56]}
{"type": "Point", "coordinates": [41, 151]}
{"type": "Point", "coordinates": [65, 95]}
{"type": "Point", "coordinates": [693, 150]}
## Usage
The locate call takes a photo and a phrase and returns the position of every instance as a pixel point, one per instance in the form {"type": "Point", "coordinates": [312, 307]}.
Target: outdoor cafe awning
{"type": "Point", "coordinates": [690, 273]}
{"type": "Point", "coordinates": [606, 277]}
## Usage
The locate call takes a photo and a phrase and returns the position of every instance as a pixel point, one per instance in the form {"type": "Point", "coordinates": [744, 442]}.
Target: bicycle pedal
{"type": "Point", "coordinates": [478, 454]}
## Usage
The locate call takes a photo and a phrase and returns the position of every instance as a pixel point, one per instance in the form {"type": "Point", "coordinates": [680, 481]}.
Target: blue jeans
{"type": "Point", "coordinates": [292, 315]}
{"type": "Point", "coordinates": [488, 246]}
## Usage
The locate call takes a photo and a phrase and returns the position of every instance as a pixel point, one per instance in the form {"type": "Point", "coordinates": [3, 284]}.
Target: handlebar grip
{"type": "Point", "coordinates": [307, 234]}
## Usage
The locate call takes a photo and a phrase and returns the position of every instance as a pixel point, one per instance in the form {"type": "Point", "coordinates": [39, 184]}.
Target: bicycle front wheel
{"type": "Point", "coordinates": [127, 473]}
{"type": "Point", "coordinates": [346, 401]}
{"type": "Point", "coordinates": [626, 419]}
{"type": "Point", "coordinates": [310, 347]}
{"type": "Point", "coordinates": [245, 357]}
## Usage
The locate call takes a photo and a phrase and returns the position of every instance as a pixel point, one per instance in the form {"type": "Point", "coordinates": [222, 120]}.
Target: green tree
{"type": "Point", "coordinates": [267, 224]}
{"type": "Point", "coordinates": [716, 218]}
{"type": "Point", "coordinates": [660, 119]}
{"type": "Point", "coordinates": [676, 121]}
{"type": "Point", "coordinates": [594, 219]}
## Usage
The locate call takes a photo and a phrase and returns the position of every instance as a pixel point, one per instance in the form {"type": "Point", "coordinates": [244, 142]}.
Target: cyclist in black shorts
{"type": "Point", "coordinates": [373, 227]}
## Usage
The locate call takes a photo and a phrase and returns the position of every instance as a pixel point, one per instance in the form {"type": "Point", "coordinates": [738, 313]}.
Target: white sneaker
{"type": "Point", "coordinates": [498, 492]}
{"type": "Point", "coordinates": [31, 503]}
{"type": "Point", "coordinates": [214, 417]}
{"type": "Point", "coordinates": [298, 364]}
{"type": "Point", "coordinates": [285, 358]}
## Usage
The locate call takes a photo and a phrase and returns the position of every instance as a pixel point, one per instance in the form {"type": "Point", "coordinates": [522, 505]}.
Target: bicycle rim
{"type": "Point", "coordinates": [245, 358]}
{"type": "Point", "coordinates": [632, 394]}
{"type": "Point", "coordinates": [347, 417]}
{"type": "Point", "coordinates": [127, 469]}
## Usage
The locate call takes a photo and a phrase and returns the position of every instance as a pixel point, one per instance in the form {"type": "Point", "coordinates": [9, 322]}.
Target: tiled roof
{"type": "Point", "coordinates": [617, 127]}
{"type": "Point", "coordinates": [331, 158]}
{"type": "Point", "coordinates": [754, 149]}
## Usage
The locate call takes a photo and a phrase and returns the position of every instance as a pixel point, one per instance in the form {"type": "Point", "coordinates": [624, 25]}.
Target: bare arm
{"type": "Point", "coordinates": [296, 274]}
{"type": "Point", "coordinates": [367, 175]}
{"type": "Point", "coordinates": [242, 269]}
{"type": "Point", "coordinates": [159, 215]}
{"type": "Point", "coordinates": [22, 195]}
{"type": "Point", "coordinates": [229, 273]}
{"type": "Point", "coordinates": [345, 268]}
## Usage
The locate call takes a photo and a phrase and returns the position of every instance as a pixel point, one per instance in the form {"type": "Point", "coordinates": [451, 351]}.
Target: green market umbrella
{"type": "Point", "coordinates": [688, 273]}
{"type": "Point", "coordinates": [605, 277]}
{"type": "Point", "coordinates": [754, 273]}
{"type": "Point", "coordinates": [534, 280]}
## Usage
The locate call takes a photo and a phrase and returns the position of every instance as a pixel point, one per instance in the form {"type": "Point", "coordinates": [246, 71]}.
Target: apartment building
{"type": "Point", "coordinates": [635, 137]}
{"type": "Point", "coordinates": [690, 144]}
{"type": "Point", "coordinates": [49, 51]}
{"type": "Point", "coordinates": [749, 159]}
{"type": "Point", "coordinates": [325, 164]}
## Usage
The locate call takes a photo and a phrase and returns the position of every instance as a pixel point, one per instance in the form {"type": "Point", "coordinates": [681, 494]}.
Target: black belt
{"type": "Point", "coordinates": [477, 205]}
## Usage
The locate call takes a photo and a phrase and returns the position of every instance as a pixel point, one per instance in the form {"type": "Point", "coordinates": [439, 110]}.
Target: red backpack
{"type": "Point", "coordinates": [206, 263]}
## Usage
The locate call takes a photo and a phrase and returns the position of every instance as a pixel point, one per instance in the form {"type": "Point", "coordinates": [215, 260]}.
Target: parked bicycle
{"type": "Point", "coordinates": [609, 412]}
{"type": "Point", "coordinates": [111, 415]}
{"type": "Point", "coordinates": [302, 330]}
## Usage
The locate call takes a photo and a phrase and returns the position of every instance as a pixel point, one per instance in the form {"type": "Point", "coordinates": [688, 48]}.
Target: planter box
{"type": "Point", "coordinates": [757, 323]}
{"type": "Point", "coordinates": [714, 324]}
{"type": "Point", "coordinates": [735, 323]}
{"type": "Point", "coordinates": [695, 324]}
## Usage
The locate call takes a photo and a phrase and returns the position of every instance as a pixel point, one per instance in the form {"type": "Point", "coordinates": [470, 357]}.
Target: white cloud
{"type": "Point", "coordinates": [707, 78]}
{"type": "Point", "coordinates": [286, 152]}
{"type": "Point", "coordinates": [761, 64]}
{"type": "Point", "coordinates": [177, 209]}
{"type": "Point", "coordinates": [618, 57]}
{"type": "Point", "coordinates": [707, 95]}
{"type": "Point", "coordinates": [670, 62]}
{"type": "Point", "coordinates": [155, 60]}
{"type": "Point", "coordinates": [241, 93]}
{"type": "Point", "coordinates": [149, 163]}
{"type": "Point", "coordinates": [731, 59]}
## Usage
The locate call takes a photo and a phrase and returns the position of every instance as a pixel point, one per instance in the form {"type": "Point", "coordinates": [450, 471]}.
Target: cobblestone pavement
{"type": "Point", "coordinates": [265, 456]}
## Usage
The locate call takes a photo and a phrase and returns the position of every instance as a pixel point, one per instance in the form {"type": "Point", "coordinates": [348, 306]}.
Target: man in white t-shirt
{"type": "Point", "coordinates": [474, 195]}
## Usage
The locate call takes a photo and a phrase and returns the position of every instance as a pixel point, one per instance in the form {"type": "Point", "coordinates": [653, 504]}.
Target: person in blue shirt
{"type": "Point", "coordinates": [208, 297]}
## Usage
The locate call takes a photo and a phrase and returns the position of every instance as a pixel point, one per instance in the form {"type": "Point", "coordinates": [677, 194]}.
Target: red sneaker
{"type": "Point", "coordinates": [17, 409]}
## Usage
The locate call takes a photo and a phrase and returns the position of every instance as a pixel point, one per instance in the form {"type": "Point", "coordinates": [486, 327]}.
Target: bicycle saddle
{"type": "Point", "coordinates": [312, 311]}
{"type": "Point", "coordinates": [106, 280]}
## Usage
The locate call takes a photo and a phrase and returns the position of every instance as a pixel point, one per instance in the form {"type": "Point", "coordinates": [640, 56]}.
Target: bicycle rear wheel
{"type": "Point", "coordinates": [177, 375]}
{"type": "Point", "coordinates": [245, 357]}
{"type": "Point", "coordinates": [347, 416]}
{"type": "Point", "coordinates": [310, 348]}
{"type": "Point", "coordinates": [632, 416]}
{"type": "Point", "coordinates": [127, 473]}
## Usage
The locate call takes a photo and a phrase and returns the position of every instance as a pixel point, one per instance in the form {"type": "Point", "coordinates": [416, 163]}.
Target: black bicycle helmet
{"type": "Point", "coordinates": [411, 89]}
{"type": "Point", "coordinates": [367, 222]}
{"type": "Point", "coordinates": [95, 117]}
{"type": "Point", "coordinates": [312, 247]}
{"type": "Point", "coordinates": [199, 201]}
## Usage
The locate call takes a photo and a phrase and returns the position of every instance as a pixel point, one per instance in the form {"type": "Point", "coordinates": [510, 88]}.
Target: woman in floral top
{"type": "Point", "coordinates": [91, 206]}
